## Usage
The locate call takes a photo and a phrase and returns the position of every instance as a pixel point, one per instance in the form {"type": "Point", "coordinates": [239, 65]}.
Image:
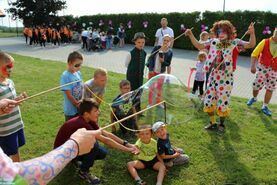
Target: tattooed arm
{"type": "Point", "coordinates": [43, 169]}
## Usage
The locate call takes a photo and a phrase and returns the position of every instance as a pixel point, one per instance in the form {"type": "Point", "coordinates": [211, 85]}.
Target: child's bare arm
{"type": "Point", "coordinates": [163, 156]}
{"type": "Point", "coordinates": [71, 98]}
{"type": "Point", "coordinates": [193, 40]}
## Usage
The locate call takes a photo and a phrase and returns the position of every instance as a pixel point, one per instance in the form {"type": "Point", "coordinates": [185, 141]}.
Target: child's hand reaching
{"type": "Point", "coordinates": [7, 105]}
{"type": "Point", "coordinates": [134, 150]}
{"type": "Point", "coordinates": [21, 96]}
{"type": "Point", "coordinates": [177, 154]}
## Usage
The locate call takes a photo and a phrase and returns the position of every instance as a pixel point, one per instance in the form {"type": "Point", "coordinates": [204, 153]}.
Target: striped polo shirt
{"type": "Point", "coordinates": [11, 122]}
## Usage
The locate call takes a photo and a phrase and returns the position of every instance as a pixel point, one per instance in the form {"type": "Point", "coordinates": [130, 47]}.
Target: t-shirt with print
{"type": "Point", "coordinates": [122, 107]}
{"type": "Point", "coordinates": [76, 90]}
{"type": "Point", "coordinates": [161, 32]}
{"type": "Point", "coordinates": [147, 151]}
{"type": "Point", "coordinates": [99, 91]}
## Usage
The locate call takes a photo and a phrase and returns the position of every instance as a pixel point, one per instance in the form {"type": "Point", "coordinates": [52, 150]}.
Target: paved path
{"type": "Point", "coordinates": [113, 60]}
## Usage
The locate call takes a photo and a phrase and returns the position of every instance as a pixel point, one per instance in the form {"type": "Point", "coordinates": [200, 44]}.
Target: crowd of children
{"type": "Point", "coordinates": [99, 39]}
{"type": "Point", "coordinates": [82, 100]}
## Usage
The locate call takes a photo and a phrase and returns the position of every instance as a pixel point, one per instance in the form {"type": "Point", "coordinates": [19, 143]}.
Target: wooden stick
{"type": "Point", "coordinates": [128, 117]}
{"type": "Point", "coordinates": [182, 34]}
{"type": "Point", "coordinates": [246, 32]}
{"type": "Point", "coordinates": [49, 90]}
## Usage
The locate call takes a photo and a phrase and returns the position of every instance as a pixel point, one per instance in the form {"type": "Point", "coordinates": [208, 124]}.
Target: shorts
{"type": "Point", "coordinates": [265, 76]}
{"type": "Point", "coordinates": [149, 164]}
{"type": "Point", "coordinates": [11, 143]}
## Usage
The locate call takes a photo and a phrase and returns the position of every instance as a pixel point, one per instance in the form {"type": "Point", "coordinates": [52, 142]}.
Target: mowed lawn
{"type": "Point", "coordinates": [9, 34]}
{"type": "Point", "coordinates": [246, 154]}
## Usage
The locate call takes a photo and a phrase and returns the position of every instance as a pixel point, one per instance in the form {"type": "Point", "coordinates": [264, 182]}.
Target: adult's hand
{"type": "Point", "coordinates": [85, 139]}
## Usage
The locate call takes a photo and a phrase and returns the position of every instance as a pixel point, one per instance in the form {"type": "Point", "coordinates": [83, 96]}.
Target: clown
{"type": "Point", "coordinates": [219, 60]}
{"type": "Point", "coordinates": [266, 74]}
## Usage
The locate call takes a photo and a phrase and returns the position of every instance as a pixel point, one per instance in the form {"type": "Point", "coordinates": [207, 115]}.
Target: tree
{"type": "Point", "coordinates": [36, 12]}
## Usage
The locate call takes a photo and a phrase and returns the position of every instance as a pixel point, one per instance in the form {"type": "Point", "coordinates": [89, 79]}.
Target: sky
{"type": "Point", "coordinates": [92, 7]}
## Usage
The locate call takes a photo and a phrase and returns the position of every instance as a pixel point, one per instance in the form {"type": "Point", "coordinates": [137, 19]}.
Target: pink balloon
{"type": "Point", "coordinates": [264, 32]}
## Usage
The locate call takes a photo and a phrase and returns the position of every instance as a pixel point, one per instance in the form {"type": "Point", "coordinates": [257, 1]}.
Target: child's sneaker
{"type": "Point", "coordinates": [140, 182]}
{"type": "Point", "coordinates": [251, 101]}
{"type": "Point", "coordinates": [266, 111]}
{"type": "Point", "coordinates": [91, 179]}
{"type": "Point", "coordinates": [211, 126]}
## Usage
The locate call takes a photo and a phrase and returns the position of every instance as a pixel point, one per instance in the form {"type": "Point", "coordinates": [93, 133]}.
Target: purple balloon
{"type": "Point", "coordinates": [202, 26]}
{"type": "Point", "coordinates": [267, 28]}
{"type": "Point", "coordinates": [264, 32]}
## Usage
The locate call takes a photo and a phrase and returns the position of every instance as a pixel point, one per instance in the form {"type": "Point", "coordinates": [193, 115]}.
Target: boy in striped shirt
{"type": "Point", "coordinates": [11, 124]}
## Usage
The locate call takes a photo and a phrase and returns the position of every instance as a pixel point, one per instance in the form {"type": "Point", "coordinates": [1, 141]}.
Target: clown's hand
{"type": "Point", "coordinates": [188, 32]}
{"type": "Point", "coordinates": [251, 29]}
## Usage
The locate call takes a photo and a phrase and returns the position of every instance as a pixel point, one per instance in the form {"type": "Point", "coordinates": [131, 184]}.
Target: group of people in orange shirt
{"type": "Point", "coordinates": [41, 35]}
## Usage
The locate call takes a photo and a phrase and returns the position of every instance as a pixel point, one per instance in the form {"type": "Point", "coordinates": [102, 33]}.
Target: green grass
{"type": "Point", "coordinates": [9, 34]}
{"type": "Point", "coordinates": [246, 154]}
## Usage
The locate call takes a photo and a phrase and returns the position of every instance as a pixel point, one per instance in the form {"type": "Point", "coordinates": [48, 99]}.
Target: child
{"type": "Point", "coordinates": [124, 109]}
{"type": "Point", "coordinates": [72, 93]}
{"type": "Point", "coordinates": [11, 130]}
{"type": "Point", "coordinates": [147, 158]}
{"type": "Point", "coordinates": [97, 85]}
{"type": "Point", "coordinates": [204, 36]}
{"type": "Point", "coordinates": [266, 70]}
{"type": "Point", "coordinates": [103, 39]}
{"type": "Point", "coordinates": [171, 156]}
{"type": "Point", "coordinates": [157, 62]}
{"type": "Point", "coordinates": [220, 61]}
{"type": "Point", "coordinates": [199, 75]}
{"type": "Point", "coordinates": [135, 63]}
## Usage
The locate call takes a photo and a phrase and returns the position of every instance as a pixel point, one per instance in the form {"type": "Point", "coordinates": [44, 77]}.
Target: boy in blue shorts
{"type": "Point", "coordinates": [72, 93]}
{"type": "Point", "coordinates": [11, 130]}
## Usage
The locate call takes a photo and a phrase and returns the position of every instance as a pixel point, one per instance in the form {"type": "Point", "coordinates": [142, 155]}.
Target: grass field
{"type": "Point", "coordinates": [246, 154]}
{"type": "Point", "coordinates": [9, 34]}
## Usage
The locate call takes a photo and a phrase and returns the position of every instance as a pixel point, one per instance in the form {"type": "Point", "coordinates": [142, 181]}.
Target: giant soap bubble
{"type": "Point", "coordinates": [162, 98]}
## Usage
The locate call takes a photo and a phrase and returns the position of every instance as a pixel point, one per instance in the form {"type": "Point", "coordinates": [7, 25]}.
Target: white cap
{"type": "Point", "coordinates": [157, 125]}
